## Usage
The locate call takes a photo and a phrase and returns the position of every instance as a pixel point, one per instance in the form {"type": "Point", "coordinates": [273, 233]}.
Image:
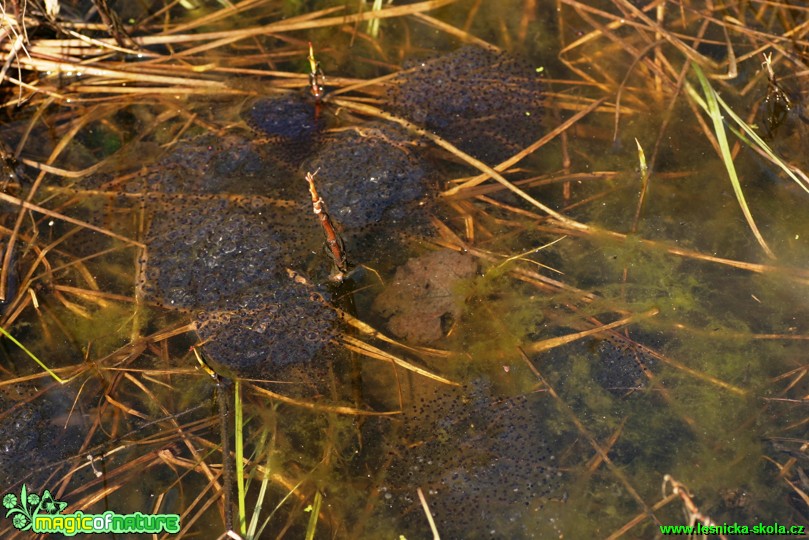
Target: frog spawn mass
{"type": "Point", "coordinates": [288, 324]}
{"type": "Point", "coordinates": [621, 367]}
{"type": "Point", "coordinates": [218, 248]}
{"type": "Point", "coordinates": [483, 462]}
{"type": "Point", "coordinates": [485, 102]}
{"type": "Point", "coordinates": [223, 255]}
{"type": "Point", "coordinates": [373, 160]}
{"type": "Point", "coordinates": [229, 214]}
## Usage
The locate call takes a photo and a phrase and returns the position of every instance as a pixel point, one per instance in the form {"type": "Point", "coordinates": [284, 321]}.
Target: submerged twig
{"type": "Point", "coordinates": [334, 242]}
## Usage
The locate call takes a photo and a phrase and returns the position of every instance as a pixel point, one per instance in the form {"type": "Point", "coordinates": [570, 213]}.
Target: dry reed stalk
{"type": "Point", "coordinates": [551, 343]}
{"type": "Point", "coordinates": [365, 349]}
{"type": "Point", "coordinates": [545, 139]}
{"type": "Point", "coordinates": [319, 407]}
{"type": "Point", "coordinates": [640, 518]}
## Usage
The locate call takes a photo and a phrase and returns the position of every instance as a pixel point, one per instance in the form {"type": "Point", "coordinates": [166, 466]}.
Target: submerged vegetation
{"type": "Point", "coordinates": [565, 264]}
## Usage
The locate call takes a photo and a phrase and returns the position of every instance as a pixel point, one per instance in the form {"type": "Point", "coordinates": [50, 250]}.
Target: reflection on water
{"type": "Point", "coordinates": [524, 418]}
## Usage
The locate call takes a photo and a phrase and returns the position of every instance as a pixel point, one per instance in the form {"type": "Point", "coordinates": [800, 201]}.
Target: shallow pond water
{"type": "Point", "coordinates": [519, 375]}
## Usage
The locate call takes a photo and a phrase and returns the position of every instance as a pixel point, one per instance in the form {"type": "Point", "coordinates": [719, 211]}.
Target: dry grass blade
{"type": "Point", "coordinates": [799, 275]}
{"type": "Point", "coordinates": [545, 139]}
{"type": "Point", "coordinates": [426, 508]}
{"type": "Point", "coordinates": [368, 330]}
{"type": "Point", "coordinates": [56, 215]}
{"type": "Point", "coordinates": [125, 409]}
{"type": "Point", "coordinates": [359, 346]}
{"type": "Point", "coordinates": [522, 256]}
{"type": "Point", "coordinates": [640, 518]}
{"type": "Point", "coordinates": [121, 76]}
{"type": "Point", "coordinates": [552, 343]}
{"type": "Point", "coordinates": [640, 21]}
{"type": "Point", "coordinates": [463, 36]}
{"type": "Point", "coordinates": [320, 407]}
{"type": "Point", "coordinates": [699, 375]}
{"type": "Point", "coordinates": [155, 72]}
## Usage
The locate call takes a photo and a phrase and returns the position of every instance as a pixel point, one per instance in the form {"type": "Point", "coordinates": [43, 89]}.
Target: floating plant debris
{"type": "Point", "coordinates": [487, 103]}
{"type": "Point", "coordinates": [484, 463]}
{"type": "Point", "coordinates": [420, 299]}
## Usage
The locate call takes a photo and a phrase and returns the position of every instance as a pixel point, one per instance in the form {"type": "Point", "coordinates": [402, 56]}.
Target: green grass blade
{"type": "Point", "coordinates": [644, 187]}
{"type": "Point", "coordinates": [238, 412]}
{"type": "Point", "coordinates": [252, 529]}
{"type": "Point", "coordinates": [754, 139]}
{"type": "Point", "coordinates": [315, 509]}
{"type": "Point", "coordinates": [749, 136]}
{"type": "Point", "coordinates": [714, 111]}
{"type": "Point", "coordinates": [277, 507]}
{"type": "Point", "coordinates": [29, 353]}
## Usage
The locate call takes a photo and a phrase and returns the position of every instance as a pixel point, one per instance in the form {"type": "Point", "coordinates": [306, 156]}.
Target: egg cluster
{"type": "Point", "coordinates": [621, 367]}
{"type": "Point", "coordinates": [228, 213]}
{"type": "Point", "coordinates": [479, 459]}
{"type": "Point", "coordinates": [485, 102]}
{"type": "Point", "coordinates": [267, 331]}
{"type": "Point", "coordinates": [367, 172]}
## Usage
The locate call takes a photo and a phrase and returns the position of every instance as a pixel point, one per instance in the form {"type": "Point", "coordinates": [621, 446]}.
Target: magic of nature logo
{"type": "Point", "coordinates": [43, 514]}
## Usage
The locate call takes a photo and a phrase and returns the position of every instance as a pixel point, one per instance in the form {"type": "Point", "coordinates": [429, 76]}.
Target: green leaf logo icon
{"type": "Point", "coordinates": [49, 505]}
{"type": "Point", "coordinates": [22, 510]}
